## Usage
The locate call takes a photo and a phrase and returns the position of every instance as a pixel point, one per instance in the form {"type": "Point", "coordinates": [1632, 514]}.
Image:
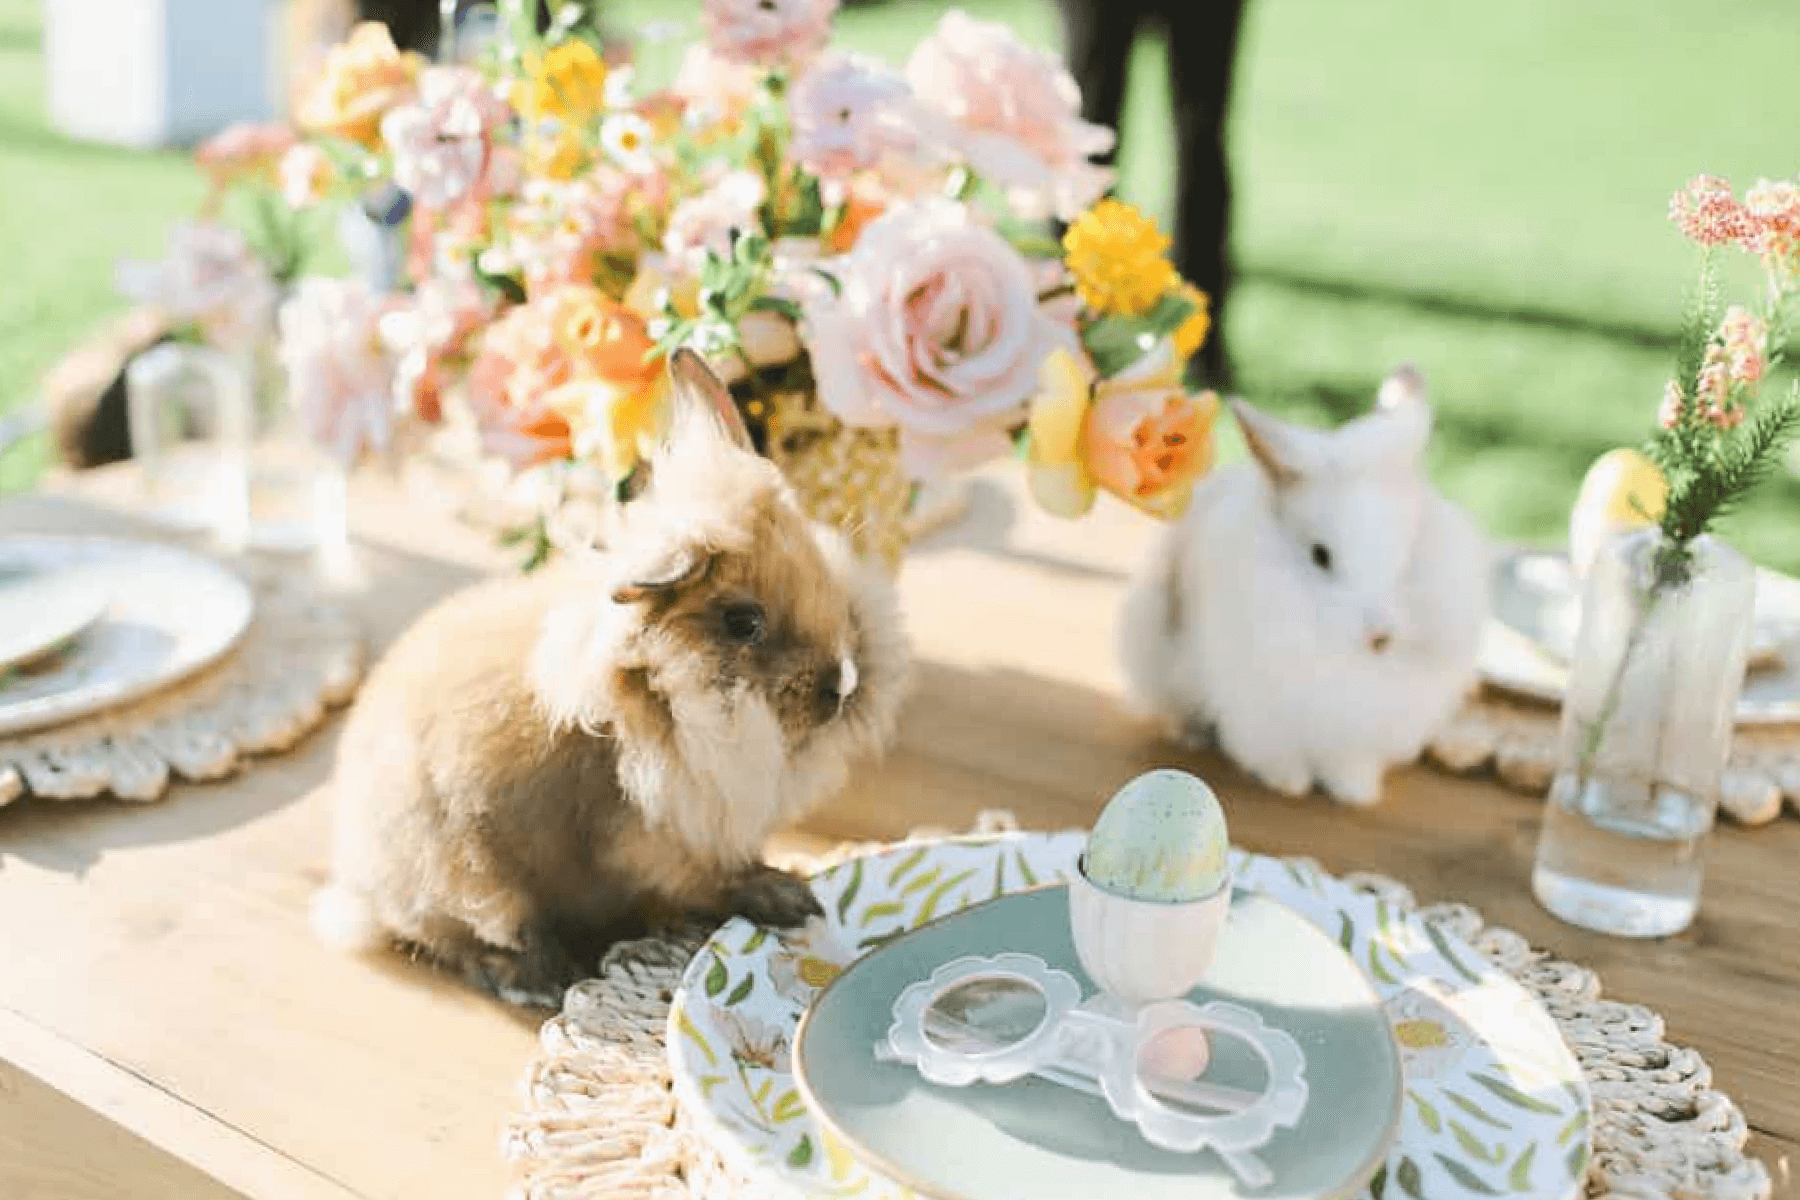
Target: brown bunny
{"type": "Point", "coordinates": [542, 762]}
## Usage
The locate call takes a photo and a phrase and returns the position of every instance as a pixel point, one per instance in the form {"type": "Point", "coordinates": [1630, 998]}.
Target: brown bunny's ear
{"type": "Point", "coordinates": [702, 402]}
{"type": "Point", "coordinates": [664, 575]}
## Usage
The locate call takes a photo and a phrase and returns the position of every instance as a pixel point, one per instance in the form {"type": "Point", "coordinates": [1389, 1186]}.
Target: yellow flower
{"type": "Point", "coordinates": [612, 424]}
{"type": "Point", "coordinates": [1138, 435]}
{"type": "Point", "coordinates": [559, 156]}
{"type": "Point", "coordinates": [361, 80]}
{"type": "Point", "coordinates": [568, 83]}
{"type": "Point", "coordinates": [1118, 258]}
{"type": "Point", "coordinates": [1621, 492]}
{"type": "Point", "coordinates": [1058, 478]}
{"type": "Point", "coordinates": [1191, 334]}
{"type": "Point", "coordinates": [644, 296]}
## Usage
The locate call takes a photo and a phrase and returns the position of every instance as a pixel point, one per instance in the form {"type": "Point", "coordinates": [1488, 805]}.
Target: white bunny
{"type": "Point", "coordinates": [1317, 609]}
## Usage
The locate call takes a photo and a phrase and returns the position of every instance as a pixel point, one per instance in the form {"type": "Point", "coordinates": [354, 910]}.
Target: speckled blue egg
{"type": "Point", "coordinates": [1161, 838]}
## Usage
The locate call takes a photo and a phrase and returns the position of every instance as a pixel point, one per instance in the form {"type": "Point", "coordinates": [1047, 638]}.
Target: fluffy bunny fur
{"type": "Point", "coordinates": [541, 762]}
{"type": "Point", "coordinates": [1317, 609]}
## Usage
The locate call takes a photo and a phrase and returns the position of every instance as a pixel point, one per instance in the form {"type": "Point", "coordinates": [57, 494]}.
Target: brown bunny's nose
{"type": "Point", "coordinates": [1380, 640]}
{"type": "Point", "coordinates": [836, 684]}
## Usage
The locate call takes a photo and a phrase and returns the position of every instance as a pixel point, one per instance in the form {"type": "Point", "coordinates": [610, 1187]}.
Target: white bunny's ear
{"type": "Point", "coordinates": [703, 405]}
{"type": "Point", "coordinates": [1279, 448]}
{"type": "Point", "coordinates": [1405, 386]}
{"type": "Point", "coordinates": [1405, 412]}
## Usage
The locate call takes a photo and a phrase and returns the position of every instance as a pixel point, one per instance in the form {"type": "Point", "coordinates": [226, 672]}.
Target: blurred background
{"type": "Point", "coordinates": [1478, 189]}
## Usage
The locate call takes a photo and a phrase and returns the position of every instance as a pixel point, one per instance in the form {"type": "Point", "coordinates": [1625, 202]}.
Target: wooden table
{"type": "Point", "coordinates": [168, 1028]}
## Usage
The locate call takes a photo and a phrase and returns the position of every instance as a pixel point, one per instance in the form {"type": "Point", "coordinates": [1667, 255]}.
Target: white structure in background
{"type": "Point", "coordinates": [146, 73]}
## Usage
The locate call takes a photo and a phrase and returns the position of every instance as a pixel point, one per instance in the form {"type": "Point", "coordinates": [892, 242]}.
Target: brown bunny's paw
{"type": "Point", "coordinates": [774, 899]}
{"type": "Point", "coordinates": [535, 976]}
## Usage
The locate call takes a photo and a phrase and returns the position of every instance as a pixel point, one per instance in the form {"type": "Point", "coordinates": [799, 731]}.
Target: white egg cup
{"type": "Point", "coordinates": [1144, 951]}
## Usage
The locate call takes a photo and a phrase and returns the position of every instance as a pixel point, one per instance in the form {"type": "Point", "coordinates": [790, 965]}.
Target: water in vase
{"type": "Point", "coordinates": [1621, 854]}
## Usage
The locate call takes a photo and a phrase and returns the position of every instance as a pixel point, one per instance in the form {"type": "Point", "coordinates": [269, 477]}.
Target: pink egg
{"type": "Point", "coordinates": [1179, 1053]}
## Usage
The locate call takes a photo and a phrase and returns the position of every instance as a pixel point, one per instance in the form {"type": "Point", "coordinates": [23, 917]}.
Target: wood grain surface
{"type": "Point", "coordinates": [163, 1008]}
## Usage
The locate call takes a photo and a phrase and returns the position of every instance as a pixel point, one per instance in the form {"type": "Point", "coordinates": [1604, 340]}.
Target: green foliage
{"type": "Point", "coordinates": [730, 287]}
{"type": "Point", "coordinates": [1118, 341]}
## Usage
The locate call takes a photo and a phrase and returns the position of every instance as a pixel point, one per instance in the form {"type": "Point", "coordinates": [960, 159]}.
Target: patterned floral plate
{"type": "Point", "coordinates": [1495, 1103]}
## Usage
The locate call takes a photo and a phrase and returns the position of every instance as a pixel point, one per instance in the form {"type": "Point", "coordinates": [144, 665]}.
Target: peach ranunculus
{"type": "Point", "coordinates": [361, 80]}
{"type": "Point", "coordinates": [572, 335]}
{"type": "Point", "coordinates": [1016, 114]}
{"type": "Point", "coordinates": [935, 329]}
{"type": "Point", "coordinates": [1138, 435]}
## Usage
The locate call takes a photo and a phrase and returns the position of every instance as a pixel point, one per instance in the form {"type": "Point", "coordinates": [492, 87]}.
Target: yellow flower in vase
{"type": "Point", "coordinates": [1138, 435]}
{"type": "Point", "coordinates": [1119, 259]}
{"type": "Point", "coordinates": [361, 80]}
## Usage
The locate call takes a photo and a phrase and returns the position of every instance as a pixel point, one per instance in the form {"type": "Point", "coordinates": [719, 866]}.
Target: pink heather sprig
{"type": "Point", "coordinates": [1708, 212]}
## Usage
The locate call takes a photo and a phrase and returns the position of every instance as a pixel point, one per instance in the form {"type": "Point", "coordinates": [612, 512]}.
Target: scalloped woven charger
{"type": "Point", "coordinates": [301, 656]}
{"type": "Point", "coordinates": [602, 1116]}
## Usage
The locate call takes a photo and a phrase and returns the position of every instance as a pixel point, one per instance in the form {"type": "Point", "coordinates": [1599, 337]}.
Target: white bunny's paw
{"type": "Point", "coordinates": [1356, 783]}
{"type": "Point", "coordinates": [1283, 773]}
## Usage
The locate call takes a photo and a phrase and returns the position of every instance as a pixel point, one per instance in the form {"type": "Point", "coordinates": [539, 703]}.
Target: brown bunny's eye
{"type": "Point", "coordinates": [1321, 557]}
{"type": "Point", "coordinates": [745, 623]}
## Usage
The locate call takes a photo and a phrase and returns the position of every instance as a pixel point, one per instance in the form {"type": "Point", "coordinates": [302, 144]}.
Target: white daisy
{"type": "Point", "coordinates": [626, 138]}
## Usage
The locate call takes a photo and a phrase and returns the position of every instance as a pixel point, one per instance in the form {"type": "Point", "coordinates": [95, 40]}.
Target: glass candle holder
{"type": "Point", "coordinates": [1647, 722]}
{"type": "Point", "coordinates": [219, 449]}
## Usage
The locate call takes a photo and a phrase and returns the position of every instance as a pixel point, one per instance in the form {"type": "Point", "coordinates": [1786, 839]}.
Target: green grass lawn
{"type": "Point", "coordinates": [1480, 190]}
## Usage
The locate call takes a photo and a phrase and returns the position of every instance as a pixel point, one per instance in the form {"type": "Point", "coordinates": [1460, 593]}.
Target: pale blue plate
{"type": "Point", "coordinates": [1034, 1140]}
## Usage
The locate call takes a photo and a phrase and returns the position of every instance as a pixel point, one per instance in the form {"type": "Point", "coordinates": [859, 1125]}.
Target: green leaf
{"type": "Point", "coordinates": [1472, 1145]}
{"type": "Point", "coordinates": [1378, 1184]}
{"type": "Point", "coordinates": [848, 897]}
{"type": "Point", "coordinates": [756, 939]}
{"type": "Point", "coordinates": [708, 1083]}
{"type": "Point", "coordinates": [1577, 1161]}
{"type": "Point", "coordinates": [801, 1154]}
{"type": "Point", "coordinates": [1025, 871]}
{"type": "Point", "coordinates": [921, 881]}
{"type": "Point", "coordinates": [685, 1024]}
{"type": "Point", "coordinates": [1475, 1110]}
{"type": "Point", "coordinates": [1376, 968]}
{"type": "Point", "coordinates": [999, 876]}
{"type": "Point", "coordinates": [1571, 1128]}
{"type": "Point", "coordinates": [1464, 1176]}
{"type": "Point", "coordinates": [887, 908]}
{"type": "Point", "coordinates": [716, 977]}
{"type": "Point", "coordinates": [1168, 314]}
{"type": "Point", "coordinates": [1443, 948]}
{"type": "Point", "coordinates": [1407, 1176]}
{"type": "Point", "coordinates": [1519, 1178]}
{"type": "Point", "coordinates": [740, 991]}
{"type": "Point", "coordinates": [1427, 1113]}
{"type": "Point", "coordinates": [906, 864]}
{"type": "Point", "coordinates": [787, 1106]}
{"type": "Point", "coordinates": [776, 304]}
{"type": "Point", "coordinates": [1114, 343]}
{"type": "Point", "coordinates": [837, 289]}
{"type": "Point", "coordinates": [938, 893]}
{"type": "Point", "coordinates": [1346, 933]}
{"type": "Point", "coordinates": [1514, 1096]}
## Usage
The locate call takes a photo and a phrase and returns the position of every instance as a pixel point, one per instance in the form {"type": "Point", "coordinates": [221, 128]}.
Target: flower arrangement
{"type": "Point", "coordinates": [1715, 441]}
{"type": "Point", "coordinates": [860, 250]}
{"type": "Point", "coordinates": [1717, 435]}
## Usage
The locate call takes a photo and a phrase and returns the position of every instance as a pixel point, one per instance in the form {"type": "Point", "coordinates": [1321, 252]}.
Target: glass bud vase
{"type": "Point", "coordinates": [1647, 721]}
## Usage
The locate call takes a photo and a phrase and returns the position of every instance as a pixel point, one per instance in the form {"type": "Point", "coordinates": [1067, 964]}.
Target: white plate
{"type": "Point", "coordinates": [1526, 646]}
{"type": "Point", "coordinates": [168, 614]}
{"type": "Point", "coordinates": [1495, 1104]}
{"type": "Point", "coordinates": [43, 611]}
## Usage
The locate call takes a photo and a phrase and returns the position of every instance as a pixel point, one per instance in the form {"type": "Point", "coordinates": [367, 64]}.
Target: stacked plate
{"type": "Point", "coordinates": [88, 624]}
{"type": "Point", "coordinates": [1528, 645]}
{"type": "Point", "coordinates": [1430, 1072]}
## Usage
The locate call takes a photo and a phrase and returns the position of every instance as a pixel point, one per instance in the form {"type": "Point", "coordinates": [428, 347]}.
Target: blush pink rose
{"type": "Point", "coordinates": [443, 139]}
{"type": "Point", "coordinates": [936, 329]}
{"type": "Point", "coordinates": [771, 34]}
{"type": "Point", "coordinates": [852, 113]}
{"type": "Point", "coordinates": [1015, 112]}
